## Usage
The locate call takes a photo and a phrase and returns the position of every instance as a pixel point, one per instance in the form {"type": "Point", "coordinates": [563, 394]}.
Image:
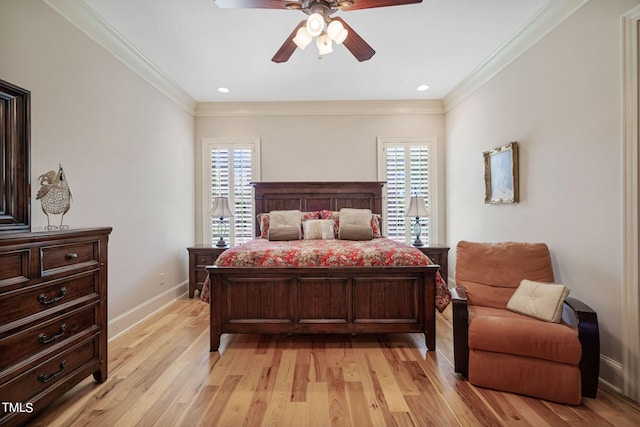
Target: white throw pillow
{"type": "Point", "coordinates": [318, 229]}
{"type": "Point", "coordinates": [540, 300]}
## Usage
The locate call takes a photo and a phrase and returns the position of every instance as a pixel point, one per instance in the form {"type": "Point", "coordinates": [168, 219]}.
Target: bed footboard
{"type": "Point", "coordinates": [319, 300]}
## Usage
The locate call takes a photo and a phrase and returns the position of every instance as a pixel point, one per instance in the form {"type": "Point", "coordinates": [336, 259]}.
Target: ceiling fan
{"type": "Point", "coordinates": [319, 12]}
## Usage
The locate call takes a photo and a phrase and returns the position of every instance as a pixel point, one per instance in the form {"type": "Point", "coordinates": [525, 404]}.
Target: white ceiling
{"type": "Point", "coordinates": [202, 47]}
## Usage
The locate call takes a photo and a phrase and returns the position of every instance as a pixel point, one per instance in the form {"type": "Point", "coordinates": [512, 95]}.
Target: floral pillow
{"type": "Point", "coordinates": [263, 222]}
{"type": "Point", "coordinates": [376, 219]}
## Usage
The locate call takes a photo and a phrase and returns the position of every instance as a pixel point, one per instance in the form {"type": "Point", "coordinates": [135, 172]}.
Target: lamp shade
{"type": "Point", "coordinates": [417, 207]}
{"type": "Point", "coordinates": [337, 32]}
{"type": "Point", "coordinates": [324, 44]}
{"type": "Point", "coordinates": [220, 208]}
{"type": "Point", "coordinates": [315, 24]}
{"type": "Point", "coordinates": [302, 38]}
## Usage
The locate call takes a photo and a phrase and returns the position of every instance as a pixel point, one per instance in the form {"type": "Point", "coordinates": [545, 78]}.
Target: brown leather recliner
{"type": "Point", "coordinates": [503, 350]}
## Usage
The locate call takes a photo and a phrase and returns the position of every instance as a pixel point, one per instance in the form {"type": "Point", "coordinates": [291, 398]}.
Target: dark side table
{"type": "Point", "coordinates": [439, 255]}
{"type": "Point", "coordinates": [201, 256]}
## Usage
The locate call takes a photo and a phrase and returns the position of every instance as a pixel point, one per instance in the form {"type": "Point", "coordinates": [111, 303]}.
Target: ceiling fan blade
{"type": "Point", "coordinates": [288, 47]}
{"type": "Point", "coordinates": [253, 4]}
{"type": "Point", "coordinates": [296, 4]}
{"type": "Point", "coordinates": [356, 44]}
{"type": "Point", "coordinates": [370, 4]}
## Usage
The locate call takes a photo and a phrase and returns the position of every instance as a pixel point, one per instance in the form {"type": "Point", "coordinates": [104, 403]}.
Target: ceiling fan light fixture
{"type": "Point", "coordinates": [337, 32]}
{"type": "Point", "coordinates": [302, 38]}
{"type": "Point", "coordinates": [324, 45]}
{"type": "Point", "coordinates": [345, 4]}
{"type": "Point", "coordinates": [315, 24]}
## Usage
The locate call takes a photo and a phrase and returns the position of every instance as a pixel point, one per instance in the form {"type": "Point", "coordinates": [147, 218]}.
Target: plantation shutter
{"type": "Point", "coordinates": [406, 172]}
{"type": "Point", "coordinates": [419, 177]}
{"type": "Point", "coordinates": [396, 192]}
{"type": "Point", "coordinates": [232, 171]}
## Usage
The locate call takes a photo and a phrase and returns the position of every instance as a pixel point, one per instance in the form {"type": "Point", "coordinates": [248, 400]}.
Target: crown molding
{"type": "Point", "coordinates": [549, 17]}
{"type": "Point", "coordinates": [79, 14]}
{"type": "Point", "coordinates": [318, 108]}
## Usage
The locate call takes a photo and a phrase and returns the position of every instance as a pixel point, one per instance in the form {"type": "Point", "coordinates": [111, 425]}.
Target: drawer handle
{"type": "Point", "coordinates": [72, 255]}
{"type": "Point", "coordinates": [42, 338]}
{"type": "Point", "coordinates": [44, 378]}
{"type": "Point", "coordinates": [43, 298]}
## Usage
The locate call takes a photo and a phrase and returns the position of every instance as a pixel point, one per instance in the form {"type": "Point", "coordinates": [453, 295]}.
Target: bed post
{"type": "Point", "coordinates": [428, 287]}
{"type": "Point", "coordinates": [215, 310]}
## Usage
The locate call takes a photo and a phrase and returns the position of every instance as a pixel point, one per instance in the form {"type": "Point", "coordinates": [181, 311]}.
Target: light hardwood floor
{"type": "Point", "coordinates": [162, 374]}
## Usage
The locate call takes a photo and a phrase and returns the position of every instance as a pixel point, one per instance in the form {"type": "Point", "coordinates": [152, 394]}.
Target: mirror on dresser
{"type": "Point", "coordinates": [15, 170]}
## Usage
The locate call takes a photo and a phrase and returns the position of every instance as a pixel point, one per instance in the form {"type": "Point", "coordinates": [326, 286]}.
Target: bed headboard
{"type": "Point", "coordinates": [316, 196]}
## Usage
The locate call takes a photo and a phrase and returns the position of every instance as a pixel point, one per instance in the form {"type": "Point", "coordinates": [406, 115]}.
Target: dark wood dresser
{"type": "Point", "coordinates": [201, 256]}
{"type": "Point", "coordinates": [53, 316]}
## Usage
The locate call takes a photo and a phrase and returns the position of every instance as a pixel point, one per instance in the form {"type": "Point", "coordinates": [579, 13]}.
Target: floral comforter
{"type": "Point", "coordinates": [261, 252]}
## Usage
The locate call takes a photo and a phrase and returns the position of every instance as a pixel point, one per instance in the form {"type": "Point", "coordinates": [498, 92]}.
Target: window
{"type": "Point", "coordinates": [230, 166]}
{"type": "Point", "coordinates": [408, 165]}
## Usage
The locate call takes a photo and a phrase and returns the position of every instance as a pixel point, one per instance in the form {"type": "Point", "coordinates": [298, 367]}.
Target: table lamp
{"type": "Point", "coordinates": [417, 209]}
{"type": "Point", "coordinates": [221, 211]}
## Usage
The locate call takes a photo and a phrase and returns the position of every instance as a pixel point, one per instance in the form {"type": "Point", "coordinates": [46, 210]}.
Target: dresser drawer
{"type": "Point", "coordinates": [205, 259]}
{"type": "Point", "coordinates": [14, 268]}
{"type": "Point", "coordinates": [47, 336]}
{"type": "Point", "coordinates": [26, 386]}
{"type": "Point", "coordinates": [18, 305]}
{"type": "Point", "coordinates": [69, 256]}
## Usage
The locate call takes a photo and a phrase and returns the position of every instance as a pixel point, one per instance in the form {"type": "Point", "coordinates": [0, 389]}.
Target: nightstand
{"type": "Point", "coordinates": [201, 256]}
{"type": "Point", "coordinates": [439, 255]}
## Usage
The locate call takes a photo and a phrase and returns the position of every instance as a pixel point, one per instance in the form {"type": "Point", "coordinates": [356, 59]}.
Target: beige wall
{"type": "Point", "coordinates": [307, 142]}
{"type": "Point", "coordinates": [561, 101]}
{"type": "Point", "coordinates": [127, 151]}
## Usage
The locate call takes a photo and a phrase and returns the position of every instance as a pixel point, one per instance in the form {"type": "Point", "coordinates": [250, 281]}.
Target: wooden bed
{"type": "Point", "coordinates": [335, 300]}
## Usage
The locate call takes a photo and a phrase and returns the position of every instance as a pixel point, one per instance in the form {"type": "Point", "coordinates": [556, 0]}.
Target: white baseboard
{"type": "Point", "coordinates": [611, 373]}
{"type": "Point", "coordinates": [129, 319]}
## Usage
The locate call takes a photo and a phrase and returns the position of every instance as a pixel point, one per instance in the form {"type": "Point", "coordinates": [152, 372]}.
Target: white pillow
{"type": "Point", "coordinates": [318, 229]}
{"type": "Point", "coordinates": [540, 300]}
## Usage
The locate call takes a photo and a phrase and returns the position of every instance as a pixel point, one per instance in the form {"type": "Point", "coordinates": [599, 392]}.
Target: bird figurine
{"type": "Point", "coordinates": [55, 196]}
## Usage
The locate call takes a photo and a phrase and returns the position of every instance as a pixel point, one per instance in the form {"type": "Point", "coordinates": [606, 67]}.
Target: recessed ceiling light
{"type": "Point", "coordinates": [223, 90]}
{"type": "Point", "coordinates": [422, 88]}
